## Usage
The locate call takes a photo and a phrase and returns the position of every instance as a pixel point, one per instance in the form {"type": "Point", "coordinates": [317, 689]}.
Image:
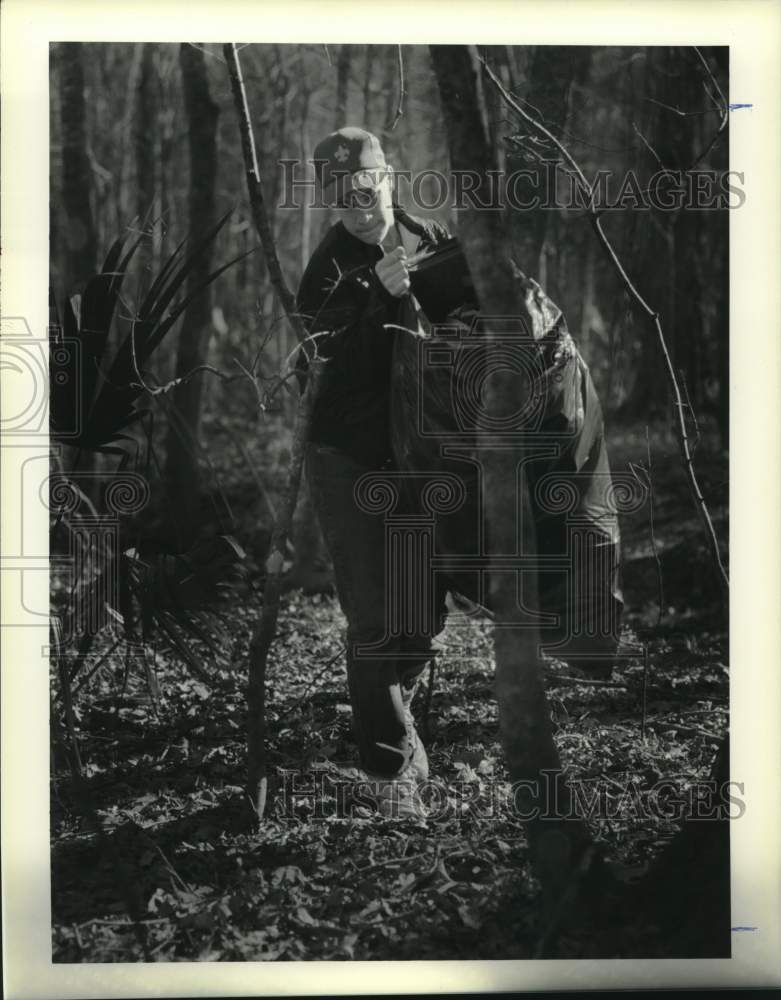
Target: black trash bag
{"type": "Point", "coordinates": [435, 412]}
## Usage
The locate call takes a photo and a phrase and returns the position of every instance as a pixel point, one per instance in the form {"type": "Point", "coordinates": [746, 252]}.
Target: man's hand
{"type": "Point", "coordinates": [392, 272]}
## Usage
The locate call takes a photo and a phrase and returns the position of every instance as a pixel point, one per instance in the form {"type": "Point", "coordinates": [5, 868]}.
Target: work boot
{"type": "Point", "coordinates": [393, 798]}
{"type": "Point", "coordinates": [418, 765]}
{"type": "Point", "coordinates": [398, 798]}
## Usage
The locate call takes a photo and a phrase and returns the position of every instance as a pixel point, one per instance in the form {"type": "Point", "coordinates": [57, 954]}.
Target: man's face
{"type": "Point", "coordinates": [367, 213]}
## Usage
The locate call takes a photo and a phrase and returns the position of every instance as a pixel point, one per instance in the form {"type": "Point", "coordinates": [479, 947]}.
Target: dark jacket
{"type": "Point", "coordinates": [341, 296]}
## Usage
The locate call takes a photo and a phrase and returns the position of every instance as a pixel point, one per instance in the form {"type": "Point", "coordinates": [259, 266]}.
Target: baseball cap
{"type": "Point", "coordinates": [349, 159]}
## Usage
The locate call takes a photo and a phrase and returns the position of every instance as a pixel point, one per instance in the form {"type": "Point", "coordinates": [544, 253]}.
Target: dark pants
{"type": "Point", "coordinates": [376, 678]}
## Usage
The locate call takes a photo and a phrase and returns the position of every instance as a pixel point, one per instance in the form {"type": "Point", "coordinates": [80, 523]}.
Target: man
{"type": "Point", "coordinates": [354, 297]}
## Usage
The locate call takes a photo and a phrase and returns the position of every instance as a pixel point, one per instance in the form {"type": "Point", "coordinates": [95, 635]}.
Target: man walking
{"type": "Point", "coordinates": [354, 297]}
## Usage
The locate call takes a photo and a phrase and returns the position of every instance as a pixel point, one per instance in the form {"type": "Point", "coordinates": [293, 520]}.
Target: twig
{"type": "Point", "coordinates": [652, 314]}
{"type": "Point", "coordinates": [647, 145]}
{"type": "Point", "coordinates": [184, 885]}
{"type": "Point", "coordinates": [102, 922]}
{"type": "Point", "coordinates": [720, 105]}
{"type": "Point", "coordinates": [250, 374]}
{"type": "Point", "coordinates": [721, 108]}
{"type": "Point", "coordinates": [686, 730]}
{"type": "Point", "coordinates": [183, 379]}
{"type": "Point", "coordinates": [77, 935]}
{"type": "Point", "coordinates": [405, 329]}
{"type": "Point", "coordinates": [659, 579]}
{"type": "Point", "coordinates": [134, 359]}
{"type": "Point", "coordinates": [388, 863]}
{"type": "Point", "coordinates": [677, 111]}
{"type": "Point", "coordinates": [402, 91]}
{"type": "Point", "coordinates": [206, 52]}
{"type": "Point", "coordinates": [691, 410]}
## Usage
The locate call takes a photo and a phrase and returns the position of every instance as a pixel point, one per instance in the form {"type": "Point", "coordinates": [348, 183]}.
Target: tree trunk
{"type": "Point", "coordinates": [181, 462]}
{"type": "Point", "coordinates": [80, 235]}
{"type": "Point", "coordinates": [144, 135]}
{"type": "Point", "coordinates": [524, 713]}
{"type": "Point", "coordinates": [551, 75]}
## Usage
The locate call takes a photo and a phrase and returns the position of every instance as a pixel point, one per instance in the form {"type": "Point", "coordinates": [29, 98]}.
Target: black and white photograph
{"type": "Point", "coordinates": [386, 452]}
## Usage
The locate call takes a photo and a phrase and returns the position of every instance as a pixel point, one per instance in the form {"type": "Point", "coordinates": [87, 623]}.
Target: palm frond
{"type": "Point", "coordinates": [91, 403]}
{"type": "Point", "coordinates": [170, 280]}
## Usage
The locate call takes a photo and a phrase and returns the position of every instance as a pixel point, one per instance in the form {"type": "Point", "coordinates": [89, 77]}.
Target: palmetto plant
{"type": "Point", "coordinates": [94, 402]}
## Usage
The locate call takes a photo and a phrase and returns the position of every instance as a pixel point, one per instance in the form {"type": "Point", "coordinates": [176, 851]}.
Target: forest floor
{"type": "Point", "coordinates": [155, 860]}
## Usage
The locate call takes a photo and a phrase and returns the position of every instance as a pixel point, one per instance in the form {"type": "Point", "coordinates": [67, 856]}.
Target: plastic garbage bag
{"type": "Point", "coordinates": [438, 409]}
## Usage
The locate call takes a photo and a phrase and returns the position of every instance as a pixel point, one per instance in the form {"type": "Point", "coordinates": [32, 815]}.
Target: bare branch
{"type": "Point", "coordinates": [255, 190]}
{"type": "Point", "coordinates": [723, 107]}
{"type": "Point", "coordinates": [647, 145]}
{"type": "Point", "coordinates": [206, 52]}
{"type": "Point", "coordinates": [678, 111]}
{"type": "Point", "coordinates": [691, 410]}
{"type": "Point", "coordinates": [183, 379]}
{"type": "Point", "coordinates": [251, 376]}
{"type": "Point", "coordinates": [720, 105]}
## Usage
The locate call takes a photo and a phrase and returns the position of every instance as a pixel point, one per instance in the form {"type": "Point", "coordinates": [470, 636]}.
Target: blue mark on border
{"type": "Point", "coordinates": [744, 929]}
{"type": "Point", "coordinates": [737, 107]}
